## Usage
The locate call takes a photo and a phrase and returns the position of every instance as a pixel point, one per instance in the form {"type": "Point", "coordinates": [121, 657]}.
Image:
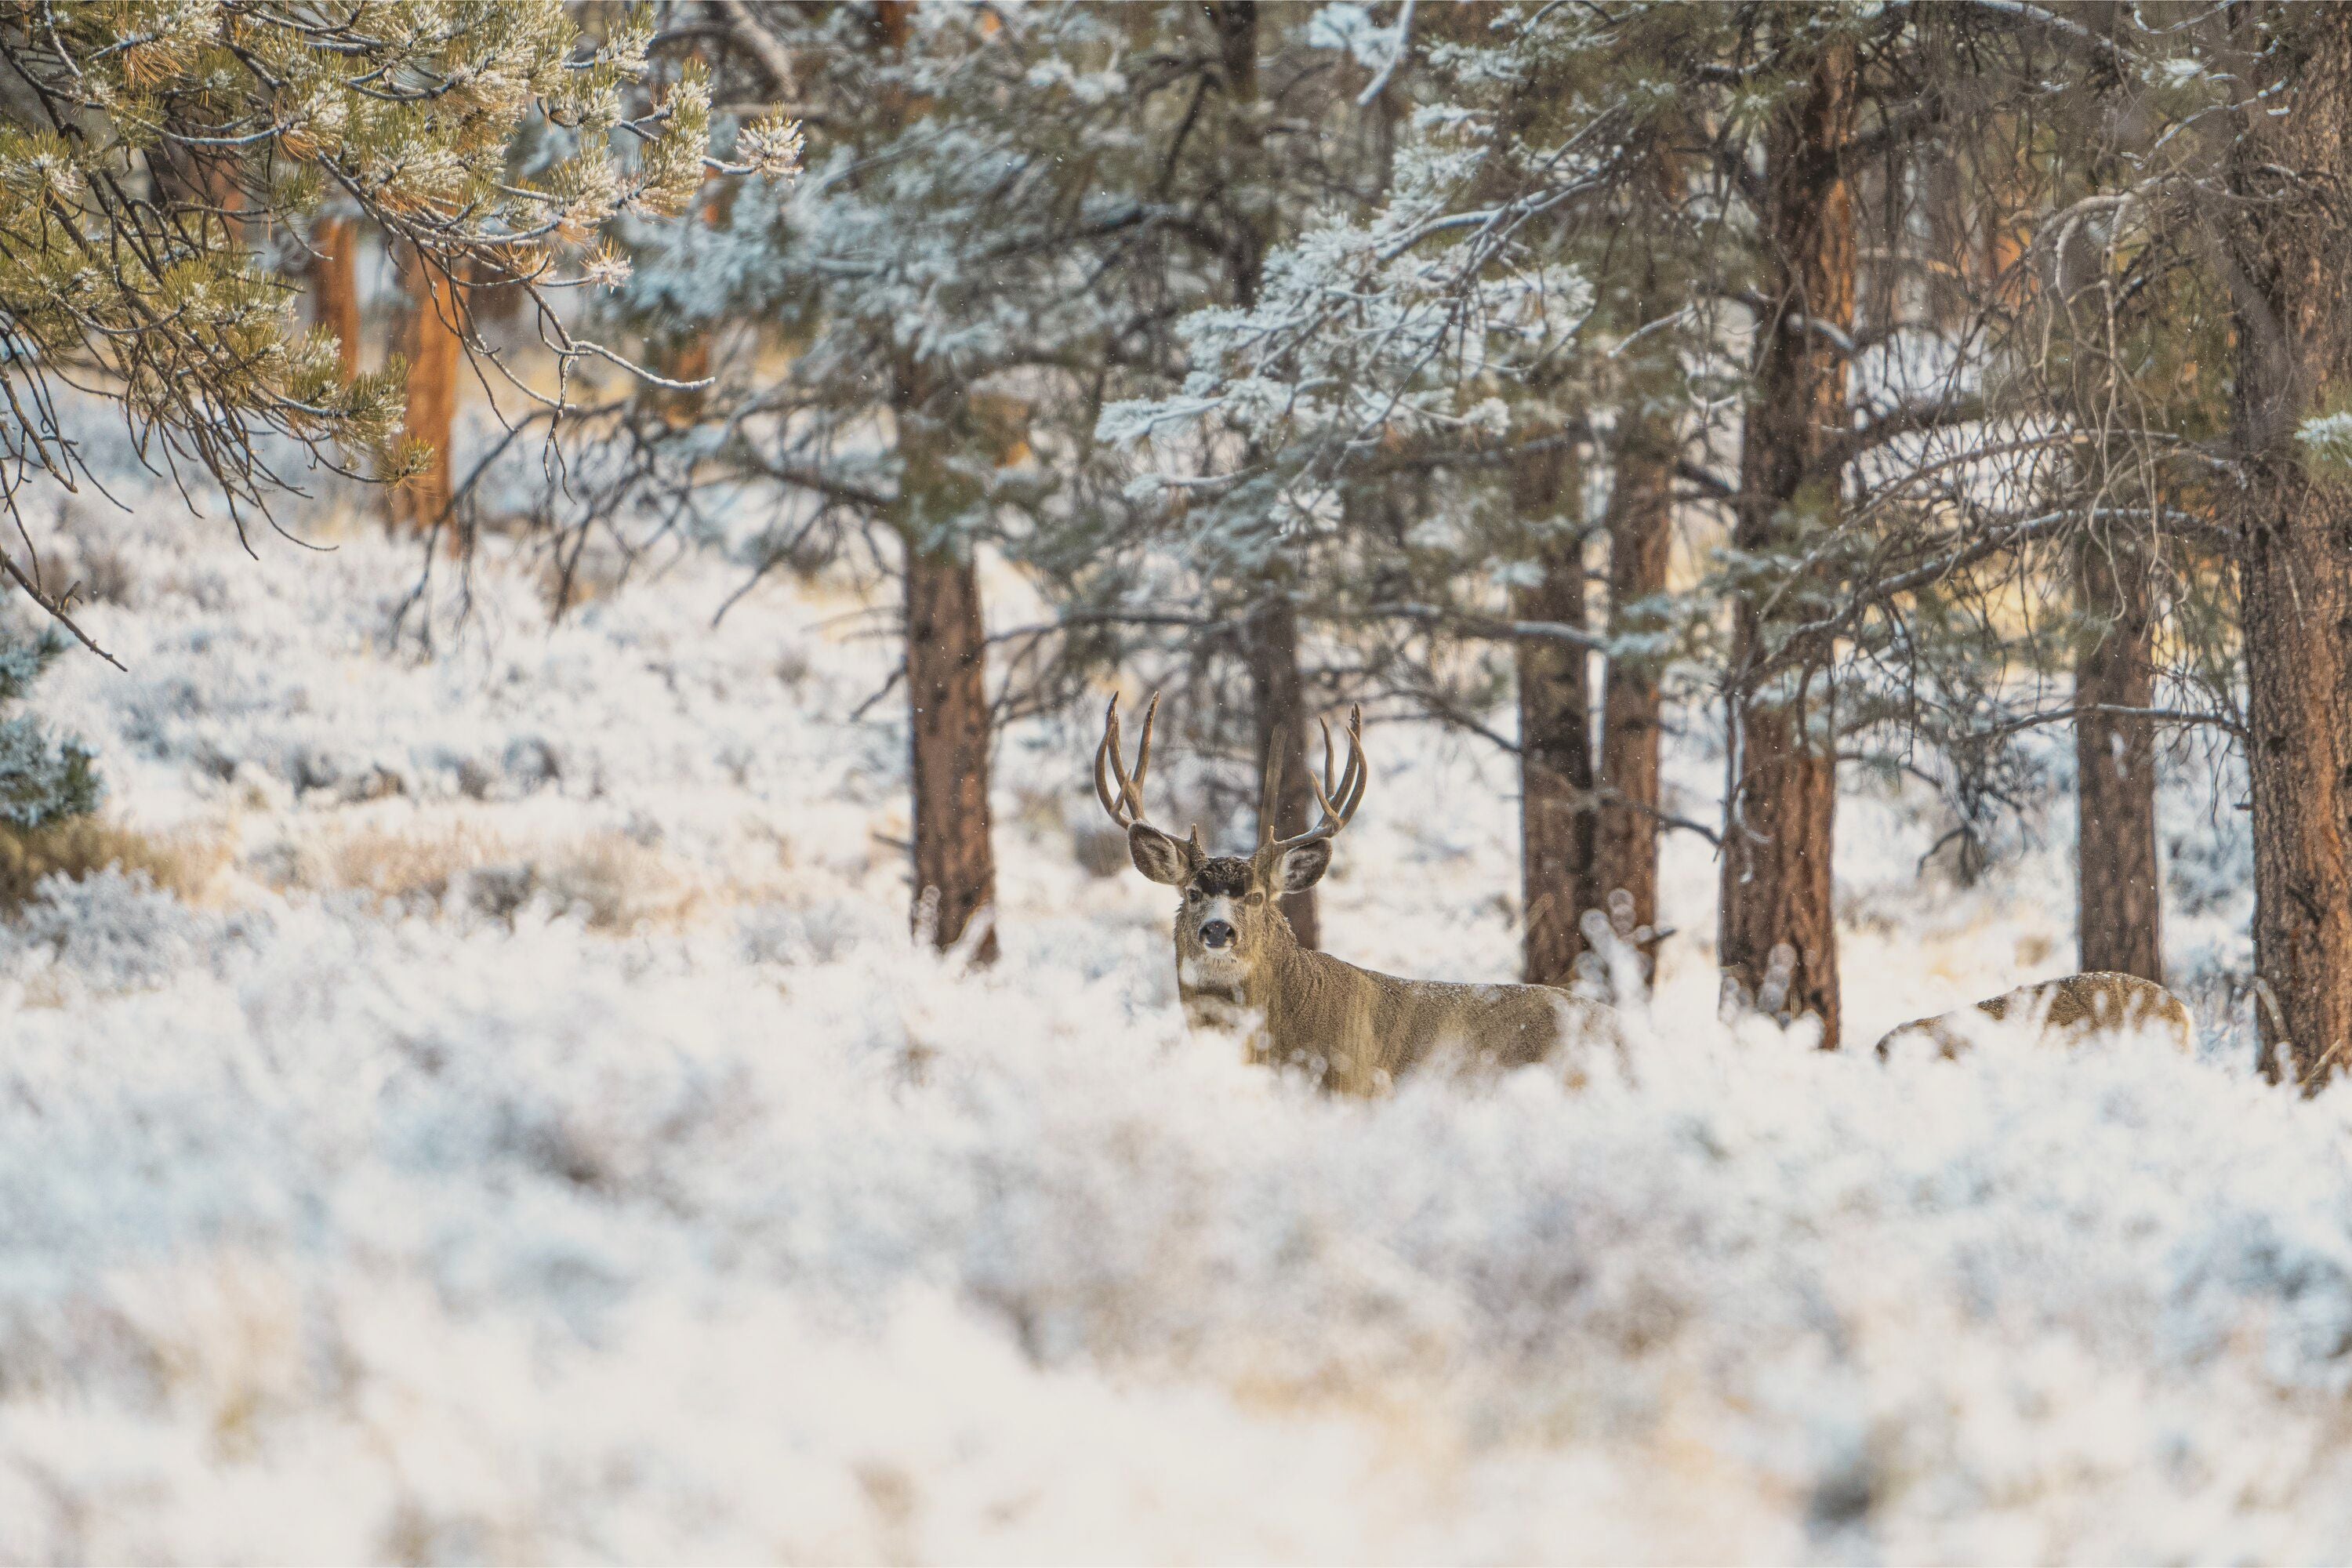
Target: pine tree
{"type": "Point", "coordinates": [147, 148]}
{"type": "Point", "coordinates": [2290, 247]}
{"type": "Point", "coordinates": [938, 280]}
{"type": "Point", "coordinates": [1688, 181]}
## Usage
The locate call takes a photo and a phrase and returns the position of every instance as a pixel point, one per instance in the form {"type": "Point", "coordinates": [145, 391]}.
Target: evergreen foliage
{"type": "Point", "coordinates": [150, 151]}
{"type": "Point", "coordinates": [1312, 353]}
{"type": "Point", "coordinates": [42, 780]}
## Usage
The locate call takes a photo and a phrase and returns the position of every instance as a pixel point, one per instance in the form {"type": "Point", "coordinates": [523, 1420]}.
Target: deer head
{"type": "Point", "coordinates": [1239, 969]}
{"type": "Point", "coordinates": [1229, 924]}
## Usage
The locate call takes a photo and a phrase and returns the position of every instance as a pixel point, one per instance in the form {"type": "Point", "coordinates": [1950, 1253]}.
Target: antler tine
{"type": "Point", "coordinates": [1143, 752]}
{"type": "Point", "coordinates": [1359, 767]}
{"type": "Point", "coordinates": [1127, 810]}
{"type": "Point", "coordinates": [1350, 791]}
{"type": "Point", "coordinates": [1103, 753]}
{"type": "Point", "coordinates": [1325, 725]}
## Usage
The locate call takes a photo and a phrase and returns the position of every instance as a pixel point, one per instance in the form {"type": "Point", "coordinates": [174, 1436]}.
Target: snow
{"type": "Point", "coordinates": [2327, 439]}
{"type": "Point", "coordinates": [539, 1139]}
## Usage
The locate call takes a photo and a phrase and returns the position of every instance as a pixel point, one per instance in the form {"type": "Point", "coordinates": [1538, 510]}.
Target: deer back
{"type": "Point", "coordinates": [2066, 1011]}
{"type": "Point", "coordinates": [1362, 1030]}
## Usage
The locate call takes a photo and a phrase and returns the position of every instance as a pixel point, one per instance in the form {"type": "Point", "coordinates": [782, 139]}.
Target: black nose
{"type": "Point", "coordinates": [1217, 933]}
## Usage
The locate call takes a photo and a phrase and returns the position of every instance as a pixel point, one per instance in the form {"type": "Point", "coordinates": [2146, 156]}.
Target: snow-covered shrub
{"type": "Point", "coordinates": [108, 930]}
{"type": "Point", "coordinates": [42, 781]}
{"type": "Point", "coordinates": [350, 1225]}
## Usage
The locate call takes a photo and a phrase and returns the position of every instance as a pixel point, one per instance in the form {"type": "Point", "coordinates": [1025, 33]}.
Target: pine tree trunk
{"type": "Point", "coordinates": [429, 340]}
{"type": "Point", "coordinates": [1279, 697]}
{"type": "Point", "coordinates": [1777, 938]}
{"type": "Point", "coordinates": [1276, 685]}
{"type": "Point", "coordinates": [1556, 817]}
{"type": "Point", "coordinates": [946, 667]}
{"type": "Point", "coordinates": [1952, 286]}
{"type": "Point", "coordinates": [335, 287]}
{"type": "Point", "coordinates": [1234, 24]}
{"type": "Point", "coordinates": [2118, 904]}
{"type": "Point", "coordinates": [950, 726]}
{"type": "Point", "coordinates": [955, 865]}
{"type": "Point", "coordinates": [2291, 281]}
{"type": "Point", "coordinates": [1640, 520]}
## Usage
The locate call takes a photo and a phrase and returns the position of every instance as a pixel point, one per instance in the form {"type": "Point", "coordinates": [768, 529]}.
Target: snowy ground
{"type": "Point", "coordinates": [533, 1136]}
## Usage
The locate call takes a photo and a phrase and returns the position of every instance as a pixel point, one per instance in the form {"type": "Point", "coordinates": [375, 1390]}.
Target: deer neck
{"type": "Point", "coordinates": [1245, 1002]}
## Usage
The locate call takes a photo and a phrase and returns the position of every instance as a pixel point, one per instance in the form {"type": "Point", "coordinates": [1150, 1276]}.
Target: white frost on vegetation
{"type": "Point", "coordinates": [2326, 439]}
{"type": "Point", "coordinates": [414, 1196]}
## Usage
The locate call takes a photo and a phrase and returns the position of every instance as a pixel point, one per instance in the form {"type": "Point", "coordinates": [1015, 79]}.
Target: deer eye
{"type": "Point", "coordinates": [1254, 899]}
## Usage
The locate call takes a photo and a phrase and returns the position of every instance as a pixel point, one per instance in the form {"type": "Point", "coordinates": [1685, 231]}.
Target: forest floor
{"type": "Point", "coordinates": [518, 1126]}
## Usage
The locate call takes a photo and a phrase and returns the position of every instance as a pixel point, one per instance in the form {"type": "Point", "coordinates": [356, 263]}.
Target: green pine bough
{"type": "Point", "coordinates": [42, 781]}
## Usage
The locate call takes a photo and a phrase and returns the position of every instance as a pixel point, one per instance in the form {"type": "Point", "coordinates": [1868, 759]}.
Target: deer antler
{"type": "Point", "coordinates": [1127, 809]}
{"type": "Point", "coordinates": [1340, 797]}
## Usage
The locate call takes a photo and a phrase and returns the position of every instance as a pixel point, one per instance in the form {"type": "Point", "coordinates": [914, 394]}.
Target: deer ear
{"type": "Point", "coordinates": [1157, 855]}
{"type": "Point", "coordinates": [1301, 869]}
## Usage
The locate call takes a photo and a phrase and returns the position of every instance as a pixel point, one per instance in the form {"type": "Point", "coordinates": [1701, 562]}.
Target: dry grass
{"type": "Point", "coordinates": [615, 883]}
{"type": "Point", "coordinates": [184, 864]}
{"type": "Point", "coordinates": [401, 865]}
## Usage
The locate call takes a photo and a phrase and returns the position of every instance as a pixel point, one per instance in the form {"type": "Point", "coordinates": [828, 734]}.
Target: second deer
{"type": "Point", "coordinates": [2078, 1008]}
{"type": "Point", "coordinates": [1240, 969]}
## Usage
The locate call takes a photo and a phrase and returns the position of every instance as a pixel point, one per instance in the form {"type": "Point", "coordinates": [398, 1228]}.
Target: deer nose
{"type": "Point", "coordinates": [1217, 933]}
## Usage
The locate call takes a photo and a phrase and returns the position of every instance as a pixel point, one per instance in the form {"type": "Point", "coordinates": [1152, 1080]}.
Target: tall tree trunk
{"type": "Point", "coordinates": [2119, 900]}
{"type": "Point", "coordinates": [1640, 520]}
{"type": "Point", "coordinates": [1556, 816]}
{"type": "Point", "coordinates": [1234, 24]}
{"type": "Point", "coordinates": [335, 287]}
{"type": "Point", "coordinates": [947, 644]}
{"type": "Point", "coordinates": [2291, 282]}
{"type": "Point", "coordinates": [1952, 284]}
{"type": "Point", "coordinates": [1777, 936]}
{"type": "Point", "coordinates": [1276, 685]}
{"type": "Point", "coordinates": [947, 693]}
{"type": "Point", "coordinates": [1278, 699]}
{"type": "Point", "coordinates": [428, 338]}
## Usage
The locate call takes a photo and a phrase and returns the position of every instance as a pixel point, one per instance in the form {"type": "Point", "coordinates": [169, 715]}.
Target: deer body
{"type": "Point", "coordinates": [1239, 970]}
{"type": "Point", "coordinates": [1359, 1030]}
{"type": "Point", "coordinates": [2067, 1011]}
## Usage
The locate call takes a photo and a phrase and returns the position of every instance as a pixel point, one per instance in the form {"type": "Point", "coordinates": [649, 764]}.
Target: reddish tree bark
{"type": "Point", "coordinates": [1279, 703]}
{"type": "Point", "coordinates": [946, 667]}
{"type": "Point", "coordinates": [1776, 935]}
{"type": "Point", "coordinates": [2289, 245]}
{"type": "Point", "coordinates": [1640, 520]}
{"type": "Point", "coordinates": [2119, 907]}
{"type": "Point", "coordinates": [429, 340]}
{"type": "Point", "coordinates": [950, 725]}
{"type": "Point", "coordinates": [335, 287]}
{"type": "Point", "coordinates": [1556, 815]}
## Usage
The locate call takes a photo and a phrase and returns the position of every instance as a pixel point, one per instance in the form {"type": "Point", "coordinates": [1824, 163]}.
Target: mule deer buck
{"type": "Point", "coordinates": [1240, 969]}
{"type": "Point", "coordinates": [2065, 1012]}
